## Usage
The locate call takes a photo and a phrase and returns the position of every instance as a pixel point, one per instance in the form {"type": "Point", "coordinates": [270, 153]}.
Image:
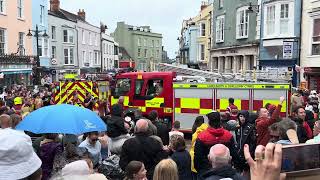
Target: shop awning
{"type": "Point", "coordinates": [16, 71]}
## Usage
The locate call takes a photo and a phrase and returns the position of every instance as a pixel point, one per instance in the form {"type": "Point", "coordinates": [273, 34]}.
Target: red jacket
{"type": "Point", "coordinates": [233, 111]}
{"type": "Point", "coordinates": [308, 129]}
{"type": "Point", "coordinates": [262, 125]}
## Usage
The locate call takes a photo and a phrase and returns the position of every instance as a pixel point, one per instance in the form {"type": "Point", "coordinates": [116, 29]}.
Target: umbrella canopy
{"type": "Point", "coordinates": [63, 118]}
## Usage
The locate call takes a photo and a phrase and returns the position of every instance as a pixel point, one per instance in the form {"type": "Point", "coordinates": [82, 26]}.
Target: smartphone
{"type": "Point", "coordinates": [300, 157]}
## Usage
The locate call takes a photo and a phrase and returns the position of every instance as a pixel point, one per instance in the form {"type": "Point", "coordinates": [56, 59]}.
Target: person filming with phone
{"type": "Point", "coordinates": [90, 101]}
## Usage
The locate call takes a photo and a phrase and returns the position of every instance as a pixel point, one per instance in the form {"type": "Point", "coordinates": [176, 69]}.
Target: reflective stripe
{"type": "Point", "coordinates": [276, 102]}
{"type": "Point", "coordinates": [115, 100]}
{"type": "Point", "coordinates": [177, 110]}
{"type": "Point", "coordinates": [192, 103]}
{"type": "Point", "coordinates": [233, 86]}
{"type": "Point", "coordinates": [155, 102]}
{"type": "Point", "coordinates": [142, 108]}
{"type": "Point", "coordinates": [205, 111]}
{"type": "Point", "coordinates": [167, 110]}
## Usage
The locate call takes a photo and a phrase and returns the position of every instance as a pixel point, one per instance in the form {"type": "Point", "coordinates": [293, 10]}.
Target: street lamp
{"type": "Point", "coordinates": [37, 35]}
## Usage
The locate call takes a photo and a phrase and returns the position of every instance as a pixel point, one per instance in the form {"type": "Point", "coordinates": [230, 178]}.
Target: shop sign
{"type": "Point", "coordinates": [287, 49]}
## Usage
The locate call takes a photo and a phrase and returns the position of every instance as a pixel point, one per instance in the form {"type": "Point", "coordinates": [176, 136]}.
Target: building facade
{"type": "Point", "coordinates": [15, 48]}
{"type": "Point", "coordinates": [89, 44]}
{"type": "Point", "coordinates": [310, 44]}
{"type": "Point", "coordinates": [40, 19]}
{"type": "Point", "coordinates": [234, 45]}
{"type": "Point", "coordinates": [280, 36]}
{"type": "Point", "coordinates": [63, 42]}
{"type": "Point", "coordinates": [110, 58]}
{"type": "Point", "coordinates": [144, 46]}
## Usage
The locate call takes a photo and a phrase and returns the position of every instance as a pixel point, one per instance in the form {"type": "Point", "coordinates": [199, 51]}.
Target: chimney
{"type": "Point", "coordinates": [54, 5]}
{"type": "Point", "coordinates": [203, 5]}
{"type": "Point", "coordinates": [82, 14]}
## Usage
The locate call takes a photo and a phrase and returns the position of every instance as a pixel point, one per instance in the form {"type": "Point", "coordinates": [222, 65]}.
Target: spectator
{"type": "Point", "coordinates": [201, 128]}
{"type": "Point", "coordinates": [15, 120]}
{"type": "Point", "coordinates": [49, 148]}
{"type": "Point", "coordinates": [116, 129]}
{"type": "Point", "coordinates": [166, 170]}
{"type": "Point", "coordinates": [18, 160]}
{"type": "Point", "coordinates": [220, 159]}
{"type": "Point", "coordinates": [213, 135]}
{"type": "Point", "coordinates": [80, 167]}
{"type": "Point", "coordinates": [175, 129]}
{"type": "Point", "coordinates": [274, 133]}
{"type": "Point", "coordinates": [264, 121]}
{"type": "Point", "coordinates": [316, 134]}
{"type": "Point", "coordinates": [142, 148]}
{"type": "Point", "coordinates": [296, 100]}
{"type": "Point", "coordinates": [181, 157]}
{"type": "Point", "coordinates": [246, 134]}
{"type": "Point", "coordinates": [232, 109]}
{"type": "Point", "coordinates": [197, 123]}
{"type": "Point", "coordinates": [136, 171]}
{"type": "Point", "coordinates": [5, 121]}
{"type": "Point", "coordinates": [93, 145]}
{"type": "Point", "coordinates": [303, 130]}
{"type": "Point", "coordinates": [89, 102]}
{"type": "Point", "coordinates": [162, 129]}
{"type": "Point", "coordinates": [310, 118]}
{"type": "Point", "coordinates": [285, 136]}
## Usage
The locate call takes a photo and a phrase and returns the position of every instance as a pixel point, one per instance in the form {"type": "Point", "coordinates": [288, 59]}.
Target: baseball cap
{"type": "Point", "coordinates": [17, 157]}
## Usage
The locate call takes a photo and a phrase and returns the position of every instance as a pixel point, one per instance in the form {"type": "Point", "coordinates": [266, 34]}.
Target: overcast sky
{"type": "Point", "coordinates": [164, 16]}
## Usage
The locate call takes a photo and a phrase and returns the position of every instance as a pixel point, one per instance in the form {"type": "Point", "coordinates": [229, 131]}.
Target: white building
{"type": "Point", "coordinates": [110, 58]}
{"type": "Point", "coordinates": [310, 44]}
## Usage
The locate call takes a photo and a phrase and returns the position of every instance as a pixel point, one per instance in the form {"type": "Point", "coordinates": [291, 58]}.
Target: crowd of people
{"type": "Point", "coordinates": [235, 144]}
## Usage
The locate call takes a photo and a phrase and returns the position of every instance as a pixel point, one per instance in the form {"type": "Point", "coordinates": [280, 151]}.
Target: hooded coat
{"type": "Point", "coordinates": [246, 134]}
{"type": "Point", "coordinates": [115, 123]}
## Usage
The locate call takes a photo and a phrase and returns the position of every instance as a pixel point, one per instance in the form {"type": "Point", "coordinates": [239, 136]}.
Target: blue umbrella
{"type": "Point", "coordinates": [63, 118]}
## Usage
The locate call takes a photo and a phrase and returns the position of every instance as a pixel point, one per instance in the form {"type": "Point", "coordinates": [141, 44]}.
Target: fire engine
{"type": "Point", "coordinates": [149, 91]}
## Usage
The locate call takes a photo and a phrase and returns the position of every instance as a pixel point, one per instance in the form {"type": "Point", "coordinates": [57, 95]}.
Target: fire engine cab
{"type": "Point", "coordinates": [149, 91]}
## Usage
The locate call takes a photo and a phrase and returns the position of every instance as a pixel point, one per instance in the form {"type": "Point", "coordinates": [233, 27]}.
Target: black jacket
{"type": "Point", "coordinates": [246, 134]}
{"type": "Point", "coordinates": [206, 140]}
{"type": "Point", "coordinates": [222, 172]}
{"type": "Point", "coordinates": [162, 131]}
{"type": "Point", "coordinates": [115, 123]}
{"type": "Point", "coordinates": [145, 149]}
{"type": "Point", "coordinates": [183, 161]}
{"type": "Point", "coordinates": [301, 131]}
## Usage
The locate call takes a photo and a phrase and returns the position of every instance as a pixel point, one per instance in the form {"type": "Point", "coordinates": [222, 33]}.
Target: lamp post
{"type": "Point", "coordinates": [37, 35]}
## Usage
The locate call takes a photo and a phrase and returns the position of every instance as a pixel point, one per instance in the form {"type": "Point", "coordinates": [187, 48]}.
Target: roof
{"type": "Point", "coordinates": [68, 16]}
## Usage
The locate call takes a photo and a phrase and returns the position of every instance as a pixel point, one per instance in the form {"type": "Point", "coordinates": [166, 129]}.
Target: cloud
{"type": "Point", "coordinates": [164, 16]}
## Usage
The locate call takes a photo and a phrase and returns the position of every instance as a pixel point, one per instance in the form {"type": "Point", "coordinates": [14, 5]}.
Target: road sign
{"type": "Point", "coordinates": [287, 49]}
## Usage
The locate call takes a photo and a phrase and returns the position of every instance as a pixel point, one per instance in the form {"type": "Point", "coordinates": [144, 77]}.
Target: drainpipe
{"type": "Point", "coordinates": [299, 43]}
{"type": "Point", "coordinates": [77, 32]}
{"type": "Point", "coordinates": [101, 42]}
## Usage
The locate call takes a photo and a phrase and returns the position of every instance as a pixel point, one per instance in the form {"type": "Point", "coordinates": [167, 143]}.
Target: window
{"type": "Point", "coordinates": [96, 57]}
{"type": "Point", "coordinates": [202, 48]}
{"type": "Point", "coordinates": [20, 8]}
{"type": "Point", "coordinates": [21, 39]}
{"type": "Point", "coordinates": [84, 59]}
{"type": "Point", "coordinates": [154, 87]}
{"type": "Point", "coordinates": [46, 47]}
{"type": "Point", "coordinates": [68, 56]}
{"type": "Point", "coordinates": [96, 40]}
{"type": "Point", "coordinates": [284, 19]}
{"type": "Point", "coordinates": [271, 13]}
{"type": "Point", "coordinates": [122, 87]}
{"type": "Point", "coordinates": [2, 41]}
{"type": "Point", "coordinates": [53, 52]}
{"type": "Point", "coordinates": [53, 32]}
{"type": "Point", "coordinates": [203, 29]}
{"type": "Point", "coordinates": [68, 36]}
{"type": "Point", "coordinates": [41, 14]}
{"type": "Point", "coordinates": [152, 43]}
{"type": "Point", "coordinates": [83, 37]}
{"type": "Point", "coordinates": [316, 37]}
{"type": "Point", "coordinates": [90, 57]}
{"type": "Point", "coordinates": [220, 29]}
{"type": "Point", "coordinates": [158, 53]}
{"type": "Point", "coordinates": [138, 88]}
{"type": "Point", "coordinates": [139, 52]}
{"type": "Point", "coordinates": [90, 39]}
{"type": "Point", "coordinates": [40, 47]}
{"type": "Point", "coordinates": [158, 43]}
{"type": "Point", "coordinates": [111, 50]}
{"type": "Point", "coordinates": [2, 6]}
{"type": "Point", "coordinates": [107, 49]}
{"type": "Point", "coordinates": [220, 3]}
{"type": "Point", "coordinates": [145, 42]}
{"type": "Point", "coordinates": [145, 53]}
{"type": "Point", "coordinates": [279, 19]}
{"type": "Point", "coordinates": [242, 23]}
{"type": "Point", "coordinates": [139, 41]}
